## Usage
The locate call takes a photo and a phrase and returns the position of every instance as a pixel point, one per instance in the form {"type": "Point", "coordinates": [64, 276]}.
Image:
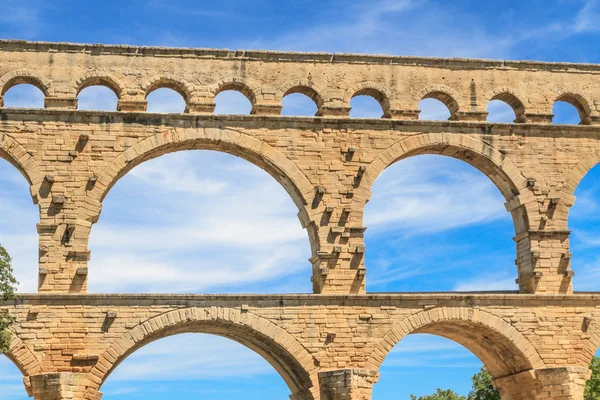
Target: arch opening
{"type": "Point", "coordinates": [24, 95]}
{"type": "Point", "coordinates": [306, 91]}
{"type": "Point", "coordinates": [232, 102]}
{"type": "Point", "coordinates": [434, 109]}
{"type": "Point", "coordinates": [570, 109]}
{"type": "Point", "coordinates": [18, 221]}
{"type": "Point", "coordinates": [505, 107]}
{"type": "Point", "coordinates": [188, 364]}
{"type": "Point", "coordinates": [166, 100]}
{"type": "Point", "coordinates": [493, 342]}
{"type": "Point", "coordinates": [438, 203]}
{"type": "Point", "coordinates": [364, 104]}
{"type": "Point", "coordinates": [290, 359]}
{"type": "Point", "coordinates": [97, 97]}
{"type": "Point", "coordinates": [11, 380]}
{"type": "Point", "coordinates": [298, 104]}
{"type": "Point", "coordinates": [584, 223]}
{"type": "Point", "coordinates": [215, 207]}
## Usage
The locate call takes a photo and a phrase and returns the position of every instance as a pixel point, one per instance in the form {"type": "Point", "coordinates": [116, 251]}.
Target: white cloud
{"type": "Point", "coordinates": [588, 18]}
{"type": "Point", "coordinates": [423, 195]}
{"type": "Point", "coordinates": [191, 357]}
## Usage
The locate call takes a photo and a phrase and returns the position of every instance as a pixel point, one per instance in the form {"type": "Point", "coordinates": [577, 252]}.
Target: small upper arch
{"type": "Point", "coordinates": [99, 80]}
{"type": "Point", "coordinates": [305, 89]}
{"type": "Point", "coordinates": [169, 82]}
{"type": "Point", "coordinates": [510, 97]}
{"type": "Point", "coordinates": [373, 90]}
{"type": "Point", "coordinates": [445, 94]}
{"type": "Point", "coordinates": [239, 86]}
{"type": "Point", "coordinates": [579, 102]}
{"type": "Point", "coordinates": [26, 76]}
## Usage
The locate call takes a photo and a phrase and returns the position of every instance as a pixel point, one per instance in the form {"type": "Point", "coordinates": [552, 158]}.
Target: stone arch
{"type": "Point", "coordinates": [251, 149]}
{"type": "Point", "coordinates": [305, 87]}
{"type": "Point", "coordinates": [576, 174]}
{"type": "Point", "coordinates": [238, 86]}
{"type": "Point", "coordinates": [500, 170]}
{"type": "Point", "coordinates": [288, 356]}
{"type": "Point", "coordinates": [14, 153]}
{"type": "Point", "coordinates": [105, 80]}
{"type": "Point", "coordinates": [580, 103]}
{"type": "Point", "coordinates": [445, 94]}
{"type": "Point", "coordinates": [170, 82]}
{"type": "Point", "coordinates": [502, 348]}
{"type": "Point", "coordinates": [492, 163]}
{"type": "Point", "coordinates": [25, 360]}
{"type": "Point", "coordinates": [511, 97]}
{"type": "Point", "coordinates": [591, 347]}
{"type": "Point", "coordinates": [371, 89]}
{"type": "Point", "coordinates": [27, 76]}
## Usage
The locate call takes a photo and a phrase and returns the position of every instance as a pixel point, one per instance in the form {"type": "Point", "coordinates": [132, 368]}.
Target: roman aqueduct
{"type": "Point", "coordinates": [537, 343]}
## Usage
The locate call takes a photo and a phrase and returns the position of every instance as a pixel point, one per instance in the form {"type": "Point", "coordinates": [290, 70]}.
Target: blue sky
{"type": "Point", "coordinates": [225, 198]}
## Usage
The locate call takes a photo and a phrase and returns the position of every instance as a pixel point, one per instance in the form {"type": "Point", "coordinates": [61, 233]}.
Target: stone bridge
{"type": "Point", "coordinates": [537, 343]}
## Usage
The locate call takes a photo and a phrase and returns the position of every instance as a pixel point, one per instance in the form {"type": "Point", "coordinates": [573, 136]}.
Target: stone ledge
{"type": "Point", "coordinates": [287, 56]}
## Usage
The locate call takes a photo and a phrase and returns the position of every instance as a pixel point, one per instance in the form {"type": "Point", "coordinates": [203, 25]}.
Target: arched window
{"type": "Point", "coordinates": [298, 104]}
{"type": "Point", "coordinates": [11, 381]}
{"type": "Point", "coordinates": [584, 224]}
{"type": "Point", "coordinates": [18, 221]}
{"type": "Point", "coordinates": [192, 366]}
{"type": "Point", "coordinates": [433, 222]}
{"type": "Point", "coordinates": [565, 113]}
{"type": "Point", "coordinates": [97, 97]}
{"type": "Point", "coordinates": [199, 222]}
{"type": "Point", "coordinates": [433, 109]}
{"type": "Point", "coordinates": [500, 111]}
{"type": "Point", "coordinates": [505, 107]}
{"type": "Point", "coordinates": [232, 102]}
{"type": "Point", "coordinates": [165, 100]}
{"type": "Point", "coordinates": [24, 96]}
{"type": "Point", "coordinates": [301, 101]}
{"type": "Point", "coordinates": [365, 106]}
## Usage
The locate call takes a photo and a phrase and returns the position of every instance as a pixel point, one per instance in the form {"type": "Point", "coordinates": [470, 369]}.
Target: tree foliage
{"type": "Point", "coordinates": [592, 387]}
{"type": "Point", "coordinates": [440, 395]}
{"type": "Point", "coordinates": [7, 292]}
{"type": "Point", "coordinates": [484, 390]}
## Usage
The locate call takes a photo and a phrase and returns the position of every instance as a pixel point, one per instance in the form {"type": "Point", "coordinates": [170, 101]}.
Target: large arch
{"type": "Point", "coordinates": [251, 149]}
{"type": "Point", "coordinates": [15, 154]}
{"type": "Point", "coordinates": [576, 174]}
{"type": "Point", "coordinates": [499, 346]}
{"type": "Point", "coordinates": [288, 356]}
{"type": "Point", "coordinates": [25, 360]}
{"type": "Point", "coordinates": [491, 162]}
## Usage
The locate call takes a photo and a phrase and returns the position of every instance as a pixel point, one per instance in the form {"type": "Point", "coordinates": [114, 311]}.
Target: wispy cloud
{"type": "Point", "coordinates": [588, 18]}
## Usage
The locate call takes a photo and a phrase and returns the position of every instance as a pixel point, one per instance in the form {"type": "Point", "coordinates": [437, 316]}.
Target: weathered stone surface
{"type": "Point", "coordinates": [329, 345]}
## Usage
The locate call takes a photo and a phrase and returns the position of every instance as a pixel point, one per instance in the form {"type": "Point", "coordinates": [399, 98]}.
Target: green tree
{"type": "Point", "coordinates": [440, 395]}
{"type": "Point", "coordinates": [7, 292]}
{"type": "Point", "coordinates": [482, 387]}
{"type": "Point", "coordinates": [484, 390]}
{"type": "Point", "coordinates": [592, 387]}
